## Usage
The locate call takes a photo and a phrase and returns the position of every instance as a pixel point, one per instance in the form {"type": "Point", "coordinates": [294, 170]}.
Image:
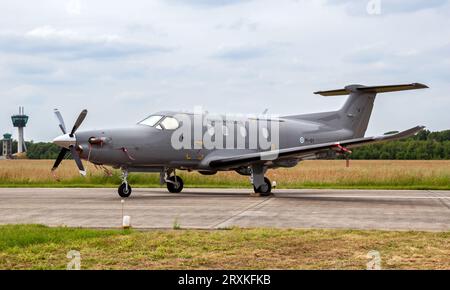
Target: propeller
{"type": "Point", "coordinates": [67, 142]}
{"type": "Point", "coordinates": [77, 124]}
{"type": "Point", "coordinates": [61, 121]}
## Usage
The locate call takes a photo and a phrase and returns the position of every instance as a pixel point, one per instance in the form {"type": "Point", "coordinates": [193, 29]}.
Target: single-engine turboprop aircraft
{"type": "Point", "coordinates": [149, 145]}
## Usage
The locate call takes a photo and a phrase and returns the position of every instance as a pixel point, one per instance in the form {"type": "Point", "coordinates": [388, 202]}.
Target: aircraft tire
{"type": "Point", "coordinates": [265, 189]}
{"type": "Point", "coordinates": [172, 188]}
{"type": "Point", "coordinates": [123, 191]}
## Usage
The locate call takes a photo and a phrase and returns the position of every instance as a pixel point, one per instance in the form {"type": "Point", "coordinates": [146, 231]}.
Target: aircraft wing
{"type": "Point", "coordinates": [303, 151]}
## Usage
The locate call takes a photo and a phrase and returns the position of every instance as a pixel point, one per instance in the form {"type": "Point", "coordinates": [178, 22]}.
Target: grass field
{"type": "Point", "coordinates": [309, 174]}
{"type": "Point", "coordinates": [39, 247]}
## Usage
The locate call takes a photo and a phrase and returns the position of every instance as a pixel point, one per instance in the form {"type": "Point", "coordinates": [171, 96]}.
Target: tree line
{"type": "Point", "coordinates": [40, 150]}
{"type": "Point", "coordinates": [424, 146]}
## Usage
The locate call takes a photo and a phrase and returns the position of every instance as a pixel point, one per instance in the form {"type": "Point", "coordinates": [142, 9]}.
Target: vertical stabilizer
{"type": "Point", "coordinates": [356, 112]}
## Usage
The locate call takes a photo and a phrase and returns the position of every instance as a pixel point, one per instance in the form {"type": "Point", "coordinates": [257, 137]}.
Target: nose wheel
{"type": "Point", "coordinates": [124, 190]}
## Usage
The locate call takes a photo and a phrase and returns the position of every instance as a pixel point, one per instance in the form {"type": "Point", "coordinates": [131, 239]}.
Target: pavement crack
{"type": "Point", "coordinates": [250, 207]}
{"type": "Point", "coordinates": [441, 199]}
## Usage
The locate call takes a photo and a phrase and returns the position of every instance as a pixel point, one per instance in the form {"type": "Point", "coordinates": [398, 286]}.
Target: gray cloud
{"type": "Point", "coordinates": [71, 46]}
{"type": "Point", "coordinates": [209, 3]}
{"type": "Point", "coordinates": [390, 6]}
{"type": "Point", "coordinates": [240, 53]}
{"type": "Point", "coordinates": [240, 24]}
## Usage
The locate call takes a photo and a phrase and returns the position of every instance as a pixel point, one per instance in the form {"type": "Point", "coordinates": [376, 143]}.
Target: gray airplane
{"type": "Point", "coordinates": [148, 145]}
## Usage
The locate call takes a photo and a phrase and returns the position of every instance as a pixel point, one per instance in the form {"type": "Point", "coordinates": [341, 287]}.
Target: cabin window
{"type": "Point", "coordinates": [225, 130]}
{"type": "Point", "coordinates": [151, 121]}
{"type": "Point", "coordinates": [170, 123]}
{"type": "Point", "coordinates": [243, 131]}
{"type": "Point", "coordinates": [210, 129]}
{"type": "Point", "coordinates": [265, 133]}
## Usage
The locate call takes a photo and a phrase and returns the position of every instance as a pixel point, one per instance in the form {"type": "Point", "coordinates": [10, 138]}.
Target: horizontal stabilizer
{"type": "Point", "coordinates": [374, 89]}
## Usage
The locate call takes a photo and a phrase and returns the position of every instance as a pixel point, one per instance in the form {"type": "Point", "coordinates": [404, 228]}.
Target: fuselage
{"type": "Point", "coordinates": [146, 146]}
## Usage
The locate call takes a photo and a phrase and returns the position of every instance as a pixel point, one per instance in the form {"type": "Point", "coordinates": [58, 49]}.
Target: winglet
{"type": "Point", "coordinates": [403, 134]}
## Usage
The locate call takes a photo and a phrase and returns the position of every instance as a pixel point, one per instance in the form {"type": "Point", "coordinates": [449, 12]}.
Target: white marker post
{"type": "Point", "coordinates": [274, 184]}
{"type": "Point", "coordinates": [126, 220]}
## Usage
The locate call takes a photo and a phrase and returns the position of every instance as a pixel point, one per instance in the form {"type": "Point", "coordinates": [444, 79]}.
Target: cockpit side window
{"type": "Point", "coordinates": [170, 123]}
{"type": "Point", "coordinates": [151, 121]}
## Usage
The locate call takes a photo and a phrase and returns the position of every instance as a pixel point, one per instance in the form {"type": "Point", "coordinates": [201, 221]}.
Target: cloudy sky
{"type": "Point", "coordinates": [123, 60]}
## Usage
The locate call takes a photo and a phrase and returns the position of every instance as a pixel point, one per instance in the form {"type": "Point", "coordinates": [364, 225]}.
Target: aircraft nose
{"type": "Point", "coordinates": [65, 141]}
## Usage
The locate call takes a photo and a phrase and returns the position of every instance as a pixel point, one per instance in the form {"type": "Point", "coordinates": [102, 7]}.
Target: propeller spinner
{"type": "Point", "coordinates": [67, 142]}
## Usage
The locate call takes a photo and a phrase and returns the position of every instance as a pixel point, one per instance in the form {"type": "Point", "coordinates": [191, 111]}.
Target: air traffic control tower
{"type": "Point", "coordinates": [7, 146]}
{"type": "Point", "coordinates": [20, 121]}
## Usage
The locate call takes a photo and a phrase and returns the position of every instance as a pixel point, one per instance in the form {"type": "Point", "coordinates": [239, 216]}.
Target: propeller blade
{"type": "Point", "coordinates": [80, 120]}
{"type": "Point", "coordinates": [61, 121]}
{"type": "Point", "coordinates": [77, 159]}
{"type": "Point", "coordinates": [61, 156]}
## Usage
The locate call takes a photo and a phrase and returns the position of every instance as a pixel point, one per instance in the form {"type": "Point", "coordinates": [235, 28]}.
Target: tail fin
{"type": "Point", "coordinates": [356, 112]}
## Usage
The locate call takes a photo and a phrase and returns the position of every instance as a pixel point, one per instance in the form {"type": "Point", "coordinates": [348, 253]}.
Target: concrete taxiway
{"type": "Point", "coordinates": [222, 208]}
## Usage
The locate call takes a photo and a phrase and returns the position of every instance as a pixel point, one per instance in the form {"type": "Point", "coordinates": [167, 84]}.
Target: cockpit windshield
{"type": "Point", "coordinates": [161, 122]}
{"type": "Point", "coordinates": [151, 121]}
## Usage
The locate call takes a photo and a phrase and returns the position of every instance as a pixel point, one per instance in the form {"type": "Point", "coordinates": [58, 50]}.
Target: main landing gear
{"type": "Point", "coordinates": [173, 182]}
{"type": "Point", "coordinates": [261, 184]}
{"type": "Point", "coordinates": [264, 189]}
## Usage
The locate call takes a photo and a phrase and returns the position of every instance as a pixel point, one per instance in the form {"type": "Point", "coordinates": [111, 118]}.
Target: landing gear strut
{"type": "Point", "coordinates": [124, 189]}
{"type": "Point", "coordinates": [174, 183]}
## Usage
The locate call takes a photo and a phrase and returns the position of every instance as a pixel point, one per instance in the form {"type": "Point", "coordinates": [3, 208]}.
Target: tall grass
{"type": "Point", "coordinates": [309, 174]}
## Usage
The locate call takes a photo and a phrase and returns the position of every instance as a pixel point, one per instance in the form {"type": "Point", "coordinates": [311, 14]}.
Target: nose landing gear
{"type": "Point", "coordinates": [124, 189]}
